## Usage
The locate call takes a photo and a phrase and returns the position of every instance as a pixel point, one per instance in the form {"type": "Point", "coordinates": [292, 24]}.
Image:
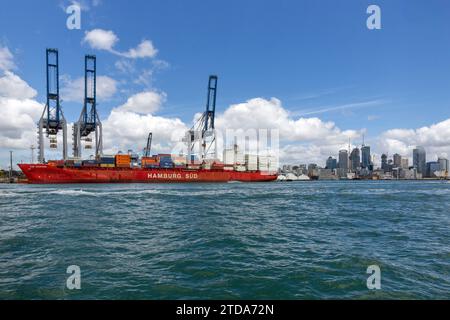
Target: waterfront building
{"type": "Point", "coordinates": [326, 174]}
{"type": "Point", "coordinates": [419, 160]}
{"type": "Point", "coordinates": [313, 170]}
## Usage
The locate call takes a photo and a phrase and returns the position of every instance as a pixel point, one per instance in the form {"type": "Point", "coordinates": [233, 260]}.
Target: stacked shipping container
{"type": "Point", "coordinates": [123, 160]}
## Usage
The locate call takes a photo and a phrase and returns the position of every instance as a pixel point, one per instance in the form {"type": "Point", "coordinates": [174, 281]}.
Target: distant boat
{"type": "Point", "coordinates": [292, 177]}
{"type": "Point", "coordinates": [351, 176]}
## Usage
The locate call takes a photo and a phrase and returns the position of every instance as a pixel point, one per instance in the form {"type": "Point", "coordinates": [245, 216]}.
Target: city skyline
{"type": "Point", "coordinates": [353, 161]}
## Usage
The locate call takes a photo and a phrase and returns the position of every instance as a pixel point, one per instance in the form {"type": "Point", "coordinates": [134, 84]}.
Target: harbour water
{"type": "Point", "coordinates": [298, 240]}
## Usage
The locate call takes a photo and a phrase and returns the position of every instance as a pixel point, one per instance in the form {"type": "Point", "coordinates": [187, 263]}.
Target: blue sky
{"type": "Point", "coordinates": [317, 57]}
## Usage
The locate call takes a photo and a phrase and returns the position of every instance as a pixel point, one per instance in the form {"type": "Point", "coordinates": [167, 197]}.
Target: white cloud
{"type": "Point", "coordinates": [12, 86]}
{"type": "Point", "coordinates": [73, 89]}
{"type": "Point", "coordinates": [269, 114]}
{"type": "Point", "coordinates": [18, 122]}
{"type": "Point", "coordinates": [106, 39]}
{"type": "Point", "coordinates": [6, 59]}
{"type": "Point", "coordinates": [146, 102]}
{"type": "Point", "coordinates": [19, 110]}
{"type": "Point", "coordinates": [125, 130]}
{"type": "Point", "coordinates": [101, 39]}
{"type": "Point", "coordinates": [433, 138]}
{"type": "Point", "coordinates": [144, 50]}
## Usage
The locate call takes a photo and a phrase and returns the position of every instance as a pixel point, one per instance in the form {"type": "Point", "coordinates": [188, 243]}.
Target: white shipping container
{"type": "Point", "coordinates": [228, 156]}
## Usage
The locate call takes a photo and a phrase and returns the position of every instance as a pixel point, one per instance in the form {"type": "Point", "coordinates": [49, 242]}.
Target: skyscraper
{"type": "Point", "coordinates": [405, 163]}
{"type": "Point", "coordinates": [365, 157]}
{"type": "Point", "coordinates": [343, 160]}
{"type": "Point", "coordinates": [397, 160]}
{"type": "Point", "coordinates": [384, 163]}
{"type": "Point", "coordinates": [420, 160]}
{"type": "Point", "coordinates": [355, 159]}
{"type": "Point", "coordinates": [331, 163]}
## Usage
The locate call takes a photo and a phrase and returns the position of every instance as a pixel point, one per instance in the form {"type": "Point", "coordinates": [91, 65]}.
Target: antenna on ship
{"type": "Point", "coordinates": [89, 120]}
{"type": "Point", "coordinates": [52, 118]}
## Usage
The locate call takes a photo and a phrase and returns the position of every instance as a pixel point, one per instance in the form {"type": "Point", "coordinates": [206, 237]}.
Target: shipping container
{"type": "Point", "coordinates": [107, 165]}
{"type": "Point", "coordinates": [122, 157]}
{"type": "Point", "coordinates": [107, 160]}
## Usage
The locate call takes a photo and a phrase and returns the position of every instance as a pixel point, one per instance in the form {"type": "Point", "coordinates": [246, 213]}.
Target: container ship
{"type": "Point", "coordinates": [123, 168]}
{"type": "Point", "coordinates": [196, 166]}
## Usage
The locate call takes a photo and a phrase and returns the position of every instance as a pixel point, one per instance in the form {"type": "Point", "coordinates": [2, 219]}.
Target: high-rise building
{"type": "Point", "coordinates": [355, 159]}
{"type": "Point", "coordinates": [365, 157]}
{"type": "Point", "coordinates": [343, 160]}
{"type": "Point", "coordinates": [384, 163]}
{"type": "Point", "coordinates": [397, 160]}
{"type": "Point", "coordinates": [405, 163]}
{"type": "Point", "coordinates": [420, 160]}
{"type": "Point", "coordinates": [331, 163]}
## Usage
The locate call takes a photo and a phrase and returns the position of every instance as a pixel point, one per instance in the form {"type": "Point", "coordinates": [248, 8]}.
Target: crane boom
{"type": "Point", "coordinates": [149, 145]}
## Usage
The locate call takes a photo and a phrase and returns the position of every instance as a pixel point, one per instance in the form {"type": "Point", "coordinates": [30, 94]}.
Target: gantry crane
{"type": "Point", "coordinates": [89, 120]}
{"type": "Point", "coordinates": [148, 148]}
{"type": "Point", "coordinates": [52, 118]}
{"type": "Point", "coordinates": [203, 131]}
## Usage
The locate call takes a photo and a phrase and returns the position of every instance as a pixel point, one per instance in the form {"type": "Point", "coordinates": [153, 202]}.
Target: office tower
{"type": "Point", "coordinates": [365, 157]}
{"type": "Point", "coordinates": [355, 159]}
{"type": "Point", "coordinates": [343, 160]}
{"type": "Point", "coordinates": [419, 160]}
{"type": "Point", "coordinates": [397, 160]}
{"type": "Point", "coordinates": [331, 163]}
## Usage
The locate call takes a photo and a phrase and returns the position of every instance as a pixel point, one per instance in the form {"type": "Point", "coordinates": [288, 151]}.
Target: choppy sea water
{"type": "Point", "coordinates": [297, 240]}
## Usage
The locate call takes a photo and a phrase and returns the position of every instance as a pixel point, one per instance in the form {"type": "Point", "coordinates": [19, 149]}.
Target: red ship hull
{"type": "Point", "coordinates": [43, 174]}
